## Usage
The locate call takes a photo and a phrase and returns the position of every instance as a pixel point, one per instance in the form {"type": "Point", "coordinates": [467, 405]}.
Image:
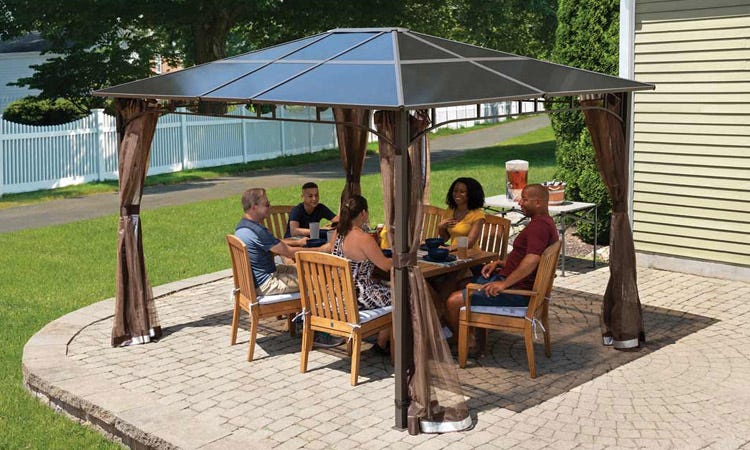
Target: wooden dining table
{"type": "Point", "coordinates": [476, 256]}
{"type": "Point", "coordinates": [443, 279]}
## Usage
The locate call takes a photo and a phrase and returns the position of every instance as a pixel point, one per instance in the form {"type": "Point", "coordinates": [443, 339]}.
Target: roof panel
{"type": "Point", "coordinates": [258, 81]}
{"type": "Point", "coordinates": [277, 51]}
{"type": "Point", "coordinates": [427, 84]}
{"type": "Point", "coordinates": [188, 83]}
{"type": "Point", "coordinates": [329, 46]}
{"type": "Point", "coordinates": [413, 49]}
{"type": "Point", "coordinates": [465, 50]}
{"type": "Point", "coordinates": [555, 78]}
{"type": "Point", "coordinates": [378, 49]}
{"type": "Point", "coordinates": [340, 84]}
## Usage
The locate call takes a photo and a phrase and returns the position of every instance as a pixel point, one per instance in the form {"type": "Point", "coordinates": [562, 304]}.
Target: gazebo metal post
{"type": "Point", "coordinates": [401, 311]}
{"type": "Point", "coordinates": [627, 130]}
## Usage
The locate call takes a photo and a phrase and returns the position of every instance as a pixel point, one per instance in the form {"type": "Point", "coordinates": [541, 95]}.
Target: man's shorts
{"type": "Point", "coordinates": [480, 298]}
{"type": "Point", "coordinates": [282, 281]}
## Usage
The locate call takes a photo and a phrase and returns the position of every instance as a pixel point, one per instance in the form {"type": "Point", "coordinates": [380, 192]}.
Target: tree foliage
{"type": "Point", "coordinates": [42, 111]}
{"type": "Point", "coordinates": [524, 27]}
{"type": "Point", "coordinates": [587, 37]}
{"type": "Point", "coordinates": [99, 43]}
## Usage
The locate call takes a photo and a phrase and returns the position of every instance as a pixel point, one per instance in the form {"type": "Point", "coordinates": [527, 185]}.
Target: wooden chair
{"type": "Point", "coordinates": [431, 217]}
{"type": "Point", "coordinates": [245, 297]}
{"type": "Point", "coordinates": [525, 319]}
{"type": "Point", "coordinates": [495, 235]}
{"type": "Point", "coordinates": [277, 219]}
{"type": "Point", "coordinates": [330, 306]}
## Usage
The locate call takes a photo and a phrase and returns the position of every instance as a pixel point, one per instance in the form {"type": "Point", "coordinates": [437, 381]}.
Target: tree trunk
{"type": "Point", "coordinates": [210, 43]}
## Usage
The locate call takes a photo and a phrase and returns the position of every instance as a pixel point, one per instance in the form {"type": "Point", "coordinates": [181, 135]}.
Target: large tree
{"type": "Point", "coordinates": [104, 42]}
{"type": "Point", "coordinates": [98, 43]}
{"type": "Point", "coordinates": [524, 27]}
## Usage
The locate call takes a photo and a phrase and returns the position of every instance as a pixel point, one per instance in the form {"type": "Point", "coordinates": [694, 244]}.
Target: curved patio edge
{"type": "Point", "coordinates": [137, 420]}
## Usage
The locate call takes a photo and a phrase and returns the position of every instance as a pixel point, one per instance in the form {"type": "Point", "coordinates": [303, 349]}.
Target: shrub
{"type": "Point", "coordinates": [586, 37]}
{"type": "Point", "coordinates": [38, 111]}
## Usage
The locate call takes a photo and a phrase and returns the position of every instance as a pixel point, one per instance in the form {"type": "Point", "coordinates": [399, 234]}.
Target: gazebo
{"type": "Point", "coordinates": [401, 74]}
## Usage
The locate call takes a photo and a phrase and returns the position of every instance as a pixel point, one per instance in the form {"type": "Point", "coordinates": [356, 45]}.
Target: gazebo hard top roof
{"type": "Point", "coordinates": [378, 68]}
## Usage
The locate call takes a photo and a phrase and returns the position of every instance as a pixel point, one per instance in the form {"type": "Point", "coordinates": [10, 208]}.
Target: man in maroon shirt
{"type": "Point", "coordinates": [518, 271]}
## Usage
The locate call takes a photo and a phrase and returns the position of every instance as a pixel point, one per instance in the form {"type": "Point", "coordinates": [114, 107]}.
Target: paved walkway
{"type": "Point", "coordinates": [61, 211]}
{"type": "Point", "coordinates": [687, 389]}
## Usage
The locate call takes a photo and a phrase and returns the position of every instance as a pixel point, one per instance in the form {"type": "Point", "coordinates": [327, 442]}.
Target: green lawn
{"type": "Point", "coordinates": [48, 272]}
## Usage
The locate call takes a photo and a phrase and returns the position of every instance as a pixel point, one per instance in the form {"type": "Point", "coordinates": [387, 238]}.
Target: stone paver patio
{"type": "Point", "coordinates": [687, 389]}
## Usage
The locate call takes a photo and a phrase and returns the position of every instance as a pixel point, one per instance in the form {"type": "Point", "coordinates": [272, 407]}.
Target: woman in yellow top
{"type": "Point", "coordinates": [465, 200]}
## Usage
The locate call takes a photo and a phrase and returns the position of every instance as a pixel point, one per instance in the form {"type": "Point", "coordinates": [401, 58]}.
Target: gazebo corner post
{"type": "Point", "coordinates": [135, 319]}
{"type": "Point", "coordinates": [627, 128]}
{"type": "Point", "coordinates": [403, 346]}
{"type": "Point", "coordinates": [606, 117]}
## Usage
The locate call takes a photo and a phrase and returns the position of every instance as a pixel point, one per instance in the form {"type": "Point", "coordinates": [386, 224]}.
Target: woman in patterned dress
{"type": "Point", "coordinates": [356, 245]}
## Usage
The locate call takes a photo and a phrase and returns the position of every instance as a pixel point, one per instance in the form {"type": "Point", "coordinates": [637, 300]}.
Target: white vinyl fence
{"type": "Point", "coordinates": [34, 158]}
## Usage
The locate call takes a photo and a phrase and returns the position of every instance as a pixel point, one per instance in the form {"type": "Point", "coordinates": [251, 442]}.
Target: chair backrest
{"type": "Point", "coordinates": [431, 217]}
{"type": "Point", "coordinates": [545, 275]}
{"type": "Point", "coordinates": [241, 268]}
{"type": "Point", "coordinates": [327, 288]}
{"type": "Point", "coordinates": [495, 235]}
{"type": "Point", "coordinates": [278, 217]}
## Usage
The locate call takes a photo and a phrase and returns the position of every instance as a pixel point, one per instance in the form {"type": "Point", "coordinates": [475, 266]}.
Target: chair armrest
{"type": "Point", "coordinates": [470, 288]}
{"type": "Point", "coordinates": [519, 292]}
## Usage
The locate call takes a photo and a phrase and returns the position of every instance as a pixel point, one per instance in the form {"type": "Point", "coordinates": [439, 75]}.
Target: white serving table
{"type": "Point", "coordinates": [564, 214]}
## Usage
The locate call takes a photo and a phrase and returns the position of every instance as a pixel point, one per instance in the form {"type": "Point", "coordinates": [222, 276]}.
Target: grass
{"type": "Point", "coordinates": [25, 198]}
{"type": "Point", "coordinates": [48, 272]}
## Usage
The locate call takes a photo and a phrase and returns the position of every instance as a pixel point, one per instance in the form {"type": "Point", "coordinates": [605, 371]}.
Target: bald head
{"type": "Point", "coordinates": [534, 200]}
{"type": "Point", "coordinates": [537, 191]}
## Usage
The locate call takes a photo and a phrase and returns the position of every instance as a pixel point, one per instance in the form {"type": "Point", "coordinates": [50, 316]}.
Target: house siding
{"type": "Point", "coordinates": [12, 67]}
{"type": "Point", "coordinates": [691, 135]}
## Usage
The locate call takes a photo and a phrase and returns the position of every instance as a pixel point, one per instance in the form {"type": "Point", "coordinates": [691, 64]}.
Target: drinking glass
{"type": "Point", "coordinates": [314, 230]}
{"type": "Point", "coordinates": [462, 247]}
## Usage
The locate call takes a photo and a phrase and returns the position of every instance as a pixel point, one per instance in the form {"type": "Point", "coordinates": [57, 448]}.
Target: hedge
{"type": "Point", "coordinates": [38, 111]}
{"type": "Point", "coordinates": [587, 37]}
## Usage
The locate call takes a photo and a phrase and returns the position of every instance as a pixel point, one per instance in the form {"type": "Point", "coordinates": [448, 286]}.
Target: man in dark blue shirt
{"type": "Point", "coordinates": [307, 212]}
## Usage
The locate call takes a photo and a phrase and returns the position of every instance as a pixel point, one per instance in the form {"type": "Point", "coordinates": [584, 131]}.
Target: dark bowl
{"type": "Point", "coordinates": [433, 242]}
{"type": "Point", "coordinates": [388, 252]}
{"type": "Point", "coordinates": [315, 242]}
{"type": "Point", "coordinates": [438, 254]}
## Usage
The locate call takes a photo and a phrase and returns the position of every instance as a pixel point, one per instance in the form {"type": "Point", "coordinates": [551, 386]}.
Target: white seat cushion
{"type": "Point", "coordinates": [512, 311]}
{"type": "Point", "coordinates": [371, 314]}
{"type": "Point", "coordinates": [276, 298]}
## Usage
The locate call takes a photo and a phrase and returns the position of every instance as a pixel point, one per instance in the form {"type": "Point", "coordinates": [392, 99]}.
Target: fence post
{"type": "Point", "coordinates": [183, 138]}
{"type": "Point", "coordinates": [100, 143]}
{"type": "Point", "coordinates": [280, 112]}
{"type": "Point", "coordinates": [311, 114]}
{"type": "Point", "coordinates": [2, 154]}
{"type": "Point", "coordinates": [243, 124]}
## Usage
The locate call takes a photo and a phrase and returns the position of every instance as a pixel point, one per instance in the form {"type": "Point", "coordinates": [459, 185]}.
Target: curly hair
{"type": "Point", "coordinates": [474, 191]}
